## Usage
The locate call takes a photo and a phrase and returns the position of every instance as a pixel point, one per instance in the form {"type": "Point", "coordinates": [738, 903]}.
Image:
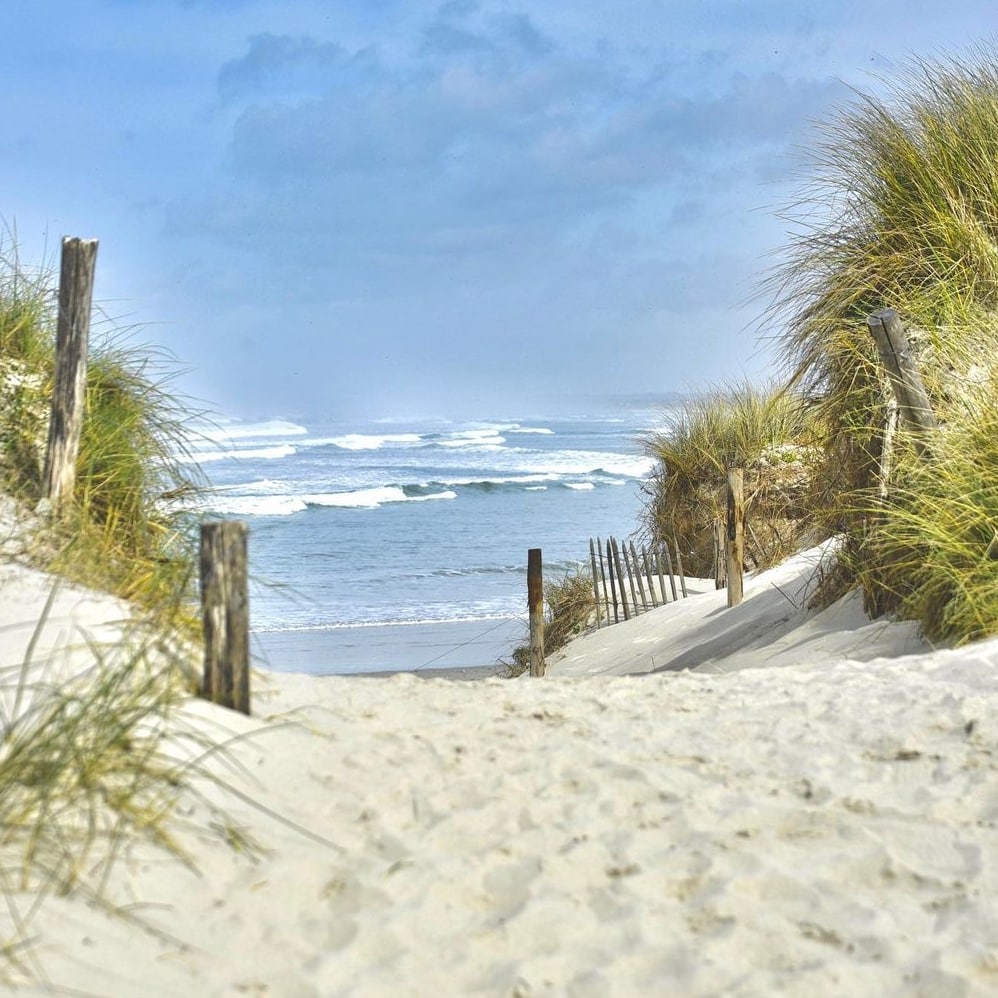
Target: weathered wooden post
{"type": "Point", "coordinates": [657, 556]}
{"type": "Point", "coordinates": [895, 354]}
{"type": "Point", "coordinates": [535, 610]}
{"type": "Point", "coordinates": [606, 592]}
{"type": "Point", "coordinates": [679, 566]}
{"type": "Point", "coordinates": [613, 584]}
{"type": "Point", "coordinates": [225, 614]}
{"type": "Point", "coordinates": [76, 291]}
{"type": "Point", "coordinates": [736, 535]}
{"type": "Point", "coordinates": [720, 557]}
{"type": "Point", "coordinates": [620, 578]}
{"type": "Point", "coordinates": [640, 578]}
{"type": "Point", "coordinates": [592, 562]}
{"type": "Point", "coordinates": [650, 577]}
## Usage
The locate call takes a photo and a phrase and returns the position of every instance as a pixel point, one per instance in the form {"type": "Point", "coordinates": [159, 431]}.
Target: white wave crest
{"type": "Point", "coordinates": [580, 486]}
{"type": "Point", "coordinates": [371, 498]}
{"type": "Point", "coordinates": [274, 453]}
{"type": "Point", "coordinates": [255, 505]}
{"type": "Point", "coordinates": [366, 441]}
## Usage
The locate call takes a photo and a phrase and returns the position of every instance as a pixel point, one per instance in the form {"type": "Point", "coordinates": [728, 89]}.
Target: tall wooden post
{"type": "Point", "coordinates": [535, 608]}
{"type": "Point", "coordinates": [736, 535]}
{"type": "Point", "coordinates": [225, 614]}
{"type": "Point", "coordinates": [76, 290]}
{"type": "Point", "coordinates": [895, 354]}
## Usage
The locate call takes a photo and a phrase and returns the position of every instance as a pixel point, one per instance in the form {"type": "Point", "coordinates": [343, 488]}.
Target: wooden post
{"type": "Point", "coordinates": [679, 565]}
{"type": "Point", "coordinates": [640, 578]}
{"type": "Point", "coordinates": [602, 572]}
{"type": "Point", "coordinates": [535, 609]}
{"type": "Point", "coordinates": [736, 535]}
{"type": "Point", "coordinates": [895, 354]}
{"type": "Point", "coordinates": [225, 614]}
{"type": "Point", "coordinates": [657, 557]}
{"type": "Point", "coordinates": [650, 577]}
{"type": "Point", "coordinates": [613, 585]}
{"type": "Point", "coordinates": [720, 557]}
{"type": "Point", "coordinates": [620, 578]}
{"type": "Point", "coordinates": [592, 562]}
{"type": "Point", "coordinates": [887, 448]}
{"type": "Point", "coordinates": [668, 565]}
{"type": "Point", "coordinates": [629, 569]}
{"type": "Point", "coordinates": [76, 290]}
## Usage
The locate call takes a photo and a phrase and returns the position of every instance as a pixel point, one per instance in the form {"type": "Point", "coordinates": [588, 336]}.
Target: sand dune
{"type": "Point", "coordinates": [826, 825]}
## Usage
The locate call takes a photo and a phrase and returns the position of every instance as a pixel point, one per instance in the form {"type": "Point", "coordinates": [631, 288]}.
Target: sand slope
{"type": "Point", "coordinates": [823, 828]}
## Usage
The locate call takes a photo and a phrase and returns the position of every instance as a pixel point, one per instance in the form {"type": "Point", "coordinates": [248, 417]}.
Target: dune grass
{"type": "Point", "coordinates": [769, 432]}
{"type": "Point", "coordinates": [900, 209]}
{"type": "Point", "coordinates": [92, 761]}
{"type": "Point", "coordinates": [122, 532]}
{"type": "Point", "coordinates": [570, 607]}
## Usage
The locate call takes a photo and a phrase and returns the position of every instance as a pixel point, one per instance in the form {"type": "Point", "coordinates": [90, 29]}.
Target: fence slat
{"type": "Point", "coordinates": [649, 577]}
{"type": "Point", "coordinates": [657, 555]}
{"type": "Point", "coordinates": [640, 579]}
{"type": "Point", "coordinates": [735, 547]}
{"type": "Point", "coordinates": [679, 567]}
{"type": "Point", "coordinates": [592, 562]}
{"type": "Point", "coordinates": [613, 585]}
{"type": "Point", "coordinates": [602, 571]}
{"type": "Point", "coordinates": [620, 577]}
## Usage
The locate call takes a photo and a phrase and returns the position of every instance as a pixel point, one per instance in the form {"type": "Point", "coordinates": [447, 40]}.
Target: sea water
{"type": "Point", "coordinates": [403, 543]}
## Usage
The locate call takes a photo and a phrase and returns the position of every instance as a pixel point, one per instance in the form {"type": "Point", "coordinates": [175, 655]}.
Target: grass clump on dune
{"type": "Point", "coordinates": [93, 761]}
{"type": "Point", "coordinates": [570, 610]}
{"type": "Point", "coordinates": [768, 432]}
{"type": "Point", "coordinates": [901, 211]}
{"type": "Point", "coordinates": [122, 532]}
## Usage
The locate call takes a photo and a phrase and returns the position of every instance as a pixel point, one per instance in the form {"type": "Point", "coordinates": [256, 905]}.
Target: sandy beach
{"type": "Point", "coordinates": [809, 806]}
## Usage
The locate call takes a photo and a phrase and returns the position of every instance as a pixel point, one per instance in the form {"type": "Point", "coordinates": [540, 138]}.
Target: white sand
{"type": "Point", "coordinates": [825, 827]}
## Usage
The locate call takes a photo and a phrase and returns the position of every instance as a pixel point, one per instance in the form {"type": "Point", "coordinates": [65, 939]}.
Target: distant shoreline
{"type": "Point", "coordinates": [426, 649]}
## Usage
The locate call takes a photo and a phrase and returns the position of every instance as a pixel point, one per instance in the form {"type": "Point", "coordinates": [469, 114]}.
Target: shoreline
{"type": "Point", "coordinates": [423, 648]}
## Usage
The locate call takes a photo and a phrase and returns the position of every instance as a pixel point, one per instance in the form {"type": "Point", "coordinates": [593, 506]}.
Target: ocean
{"type": "Point", "coordinates": [402, 544]}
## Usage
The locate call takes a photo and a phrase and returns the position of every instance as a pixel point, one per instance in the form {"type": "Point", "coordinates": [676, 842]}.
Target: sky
{"type": "Point", "coordinates": [383, 208]}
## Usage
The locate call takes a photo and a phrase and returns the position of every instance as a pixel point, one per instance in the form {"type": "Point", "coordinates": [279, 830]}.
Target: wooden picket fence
{"type": "Point", "coordinates": [628, 580]}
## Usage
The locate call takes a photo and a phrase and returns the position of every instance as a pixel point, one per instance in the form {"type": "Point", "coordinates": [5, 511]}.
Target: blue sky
{"type": "Point", "coordinates": [384, 208]}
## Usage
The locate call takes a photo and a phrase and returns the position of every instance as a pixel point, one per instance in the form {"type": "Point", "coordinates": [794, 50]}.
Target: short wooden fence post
{"type": "Point", "coordinates": [679, 566]}
{"type": "Point", "coordinates": [602, 572]}
{"type": "Point", "coordinates": [592, 562]}
{"type": "Point", "coordinates": [76, 290]}
{"type": "Point", "coordinates": [225, 614]}
{"type": "Point", "coordinates": [650, 577]}
{"type": "Point", "coordinates": [735, 535]}
{"type": "Point", "coordinates": [535, 609]}
{"type": "Point", "coordinates": [640, 579]}
{"type": "Point", "coordinates": [620, 578]}
{"type": "Point", "coordinates": [720, 557]}
{"type": "Point", "coordinates": [613, 583]}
